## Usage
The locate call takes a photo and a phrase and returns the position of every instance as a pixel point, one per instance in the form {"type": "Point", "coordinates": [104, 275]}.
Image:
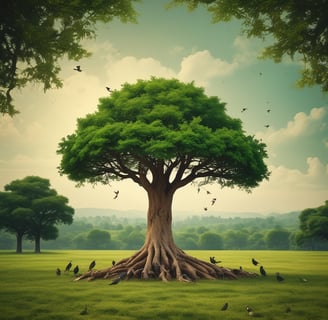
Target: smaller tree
{"type": "Point", "coordinates": [313, 225]}
{"type": "Point", "coordinates": [210, 241]}
{"type": "Point", "coordinates": [98, 239]}
{"type": "Point", "coordinates": [30, 207]}
{"type": "Point", "coordinates": [278, 239]}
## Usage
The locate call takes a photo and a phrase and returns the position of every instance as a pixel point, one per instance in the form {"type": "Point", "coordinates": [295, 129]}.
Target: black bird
{"type": "Point", "coordinates": [205, 209]}
{"type": "Point", "coordinates": [77, 68]}
{"type": "Point", "coordinates": [267, 125]}
{"type": "Point", "coordinates": [225, 307]}
{"type": "Point", "coordinates": [255, 262]}
{"type": "Point", "coordinates": [68, 267]}
{"type": "Point", "coordinates": [268, 110]}
{"type": "Point", "coordinates": [198, 190]}
{"type": "Point", "coordinates": [76, 270]}
{"type": "Point", "coordinates": [117, 280]}
{"type": "Point", "coordinates": [212, 260]}
{"type": "Point", "coordinates": [213, 201]}
{"type": "Point", "coordinates": [92, 265]}
{"type": "Point", "coordinates": [288, 309]}
{"type": "Point", "coordinates": [262, 271]}
{"type": "Point", "coordinates": [109, 89]}
{"type": "Point", "coordinates": [116, 194]}
{"type": "Point", "coordinates": [250, 310]}
{"type": "Point", "coordinates": [84, 311]}
{"type": "Point", "coordinates": [279, 277]}
{"type": "Point", "coordinates": [113, 263]}
{"type": "Point", "coordinates": [243, 109]}
{"type": "Point", "coordinates": [208, 192]}
{"type": "Point", "coordinates": [58, 272]}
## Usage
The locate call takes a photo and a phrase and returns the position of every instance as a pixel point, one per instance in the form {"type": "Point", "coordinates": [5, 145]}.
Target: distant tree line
{"type": "Point", "coordinates": [293, 231]}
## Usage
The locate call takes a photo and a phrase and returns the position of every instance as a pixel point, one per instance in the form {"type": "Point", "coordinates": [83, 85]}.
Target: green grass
{"type": "Point", "coordinates": [31, 290]}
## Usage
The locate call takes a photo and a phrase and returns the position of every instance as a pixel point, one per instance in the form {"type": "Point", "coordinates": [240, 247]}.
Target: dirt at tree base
{"type": "Point", "coordinates": [171, 266]}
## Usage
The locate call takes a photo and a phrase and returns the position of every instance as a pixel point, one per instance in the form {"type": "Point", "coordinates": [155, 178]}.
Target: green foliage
{"type": "Point", "coordinates": [35, 35]}
{"type": "Point", "coordinates": [30, 207]}
{"type": "Point", "coordinates": [162, 130]}
{"type": "Point", "coordinates": [313, 224]}
{"type": "Point", "coordinates": [42, 295]}
{"type": "Point", "coordinates": [298, 29]}
{"type": "Point", "coordinates": [211, 241]}
{"type": "Point", "coordinates": [278, 239]}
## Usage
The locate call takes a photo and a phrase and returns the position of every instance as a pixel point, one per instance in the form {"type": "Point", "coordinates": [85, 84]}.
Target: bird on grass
{"type": "Point", "coordinates": [113, 263]}
{"type": "Point", "coordinates": [118, 279]}
{"type": "Point", "coordinates": [84, 311]}
{"type": "Point", "coordinates": [78, 69]}
{"type": "Point", "coordinates": [255, 262]}
{"type": "Point", "coordinates": [68, 267]}
{"type": "Point", "coordinates": [225, 307]}
{"type": "Point", "coordinates": [279, 277]}
{"type": "Point", "coordinates": [250, 311]}
{"type": "Point", "coordinates": [262, 271]}
{"type": "Point", "coordinates": [116, 194]}
{"type": "Point", "coordinates": [76, 270]}
{"type": "Point", "coordinates": [288, 309]}
{"type": "Point", "coordinates": [92, 265]}
{"type": "Point", "coordinates": [58, 272]}
{"type": "Point", "coordinates": [212, 260]}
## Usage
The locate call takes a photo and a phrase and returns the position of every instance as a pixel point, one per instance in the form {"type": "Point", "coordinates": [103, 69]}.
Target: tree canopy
{"type": "Point", "coordinates": [30, 207]}
{"type": "Point", "coordinates": [162, 134]}
{"type": "Point", "coordinates": [298, 29]}
{"type": "Point", "coordinates": [35, 35]}
{"type": "Point", "coordinates": [313, 224]}
{"type": "Point", "coordinates": [162, 127]}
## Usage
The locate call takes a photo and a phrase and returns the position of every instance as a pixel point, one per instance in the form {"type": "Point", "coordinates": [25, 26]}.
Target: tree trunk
{"type": "Point", "coordinates": [159, 257]}
{"type": "Point", "coordinates": [19, 243]}
{"type": "Point", "coordinates": [37, 244]}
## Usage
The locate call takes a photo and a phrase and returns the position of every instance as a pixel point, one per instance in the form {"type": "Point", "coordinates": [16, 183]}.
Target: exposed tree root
{"type": "Point", "coordinates": [165, 263]}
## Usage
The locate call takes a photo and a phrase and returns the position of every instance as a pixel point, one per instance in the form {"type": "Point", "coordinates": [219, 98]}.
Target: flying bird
{"type": "Point", "coordinates": [213, 201]}
{"type": "Point", "coordinates": [250, 310]}
{"type": "Point", "coordinates": [225, 307]}
{"type": "Point", "coordinates": [76, 270]}
{"type": "Point", "coordinates": [116, 194]}
{"type": "Point", "coordinates": [58, 272]}
{"type": "Point", "coordinates": [279, 277]}
{"type": "Point", "coordinates": [267, 125]}
{"type": "Point", "coordinates": [262, 271]}
{"type": "Point", "coordinates": [268, 110]}
{"type": "Point", "coordinates": [255, 262]}
{"type": "Point", "coordinates": [198, 190]}
{"type": "Point", "coordinates": [243, 109]}
{"type": "Point", "coordinates": [205, 209]}
{"type": "Point", "coordinates": [109, 89]}
{"type": "Point", "coordinates": [92, 265]}
{"type": "Point", "coordinates": [208, 192]}
{"type": "Point", "coordinates": [77, 68]}
{"type": "Point", "coordinates": [68, 267]}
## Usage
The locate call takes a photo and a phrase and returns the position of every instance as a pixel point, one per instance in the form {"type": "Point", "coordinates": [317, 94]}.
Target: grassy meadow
{"type": "Point", "coordinates": [31, 290]}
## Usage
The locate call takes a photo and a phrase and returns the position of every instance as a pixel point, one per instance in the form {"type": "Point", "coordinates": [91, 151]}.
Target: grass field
{"type": "Point", "coordinates": [31, 290]}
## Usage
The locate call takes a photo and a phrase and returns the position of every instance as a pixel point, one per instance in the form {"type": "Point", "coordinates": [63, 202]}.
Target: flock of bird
{"type": "Point", "coordinates": [279, 278]}
{"type": "Point", "coordinates": [267, 110]}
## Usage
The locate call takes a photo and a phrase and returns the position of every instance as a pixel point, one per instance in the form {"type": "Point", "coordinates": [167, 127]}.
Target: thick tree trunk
{"type": "Point", "coordinates": [159, 257]}
{"type": "Point", "coordinates": [37, 244]}
{"type": "Point", "coordinates": [19, 243]}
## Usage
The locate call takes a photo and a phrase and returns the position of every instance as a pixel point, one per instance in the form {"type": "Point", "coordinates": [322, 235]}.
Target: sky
{"type": "Point", "coordinates": [176, 43]}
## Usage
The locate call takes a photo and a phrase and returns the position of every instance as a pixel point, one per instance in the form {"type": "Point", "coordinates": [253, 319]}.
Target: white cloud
{"type": "Point", "coordinates": [202, 67]}
{"type": "Point", "coordinates": [301, 125]}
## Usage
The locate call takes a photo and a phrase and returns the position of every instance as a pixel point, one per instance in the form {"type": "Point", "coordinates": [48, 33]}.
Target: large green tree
{"type": "Point", "coordinates": [294, 28]}
{"type": "Point", "coordinates": [36, 34]}
{"type": "Point", "coordinates": [162, 134]}
{"type": "Point", "coordinates": [35, 212]}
